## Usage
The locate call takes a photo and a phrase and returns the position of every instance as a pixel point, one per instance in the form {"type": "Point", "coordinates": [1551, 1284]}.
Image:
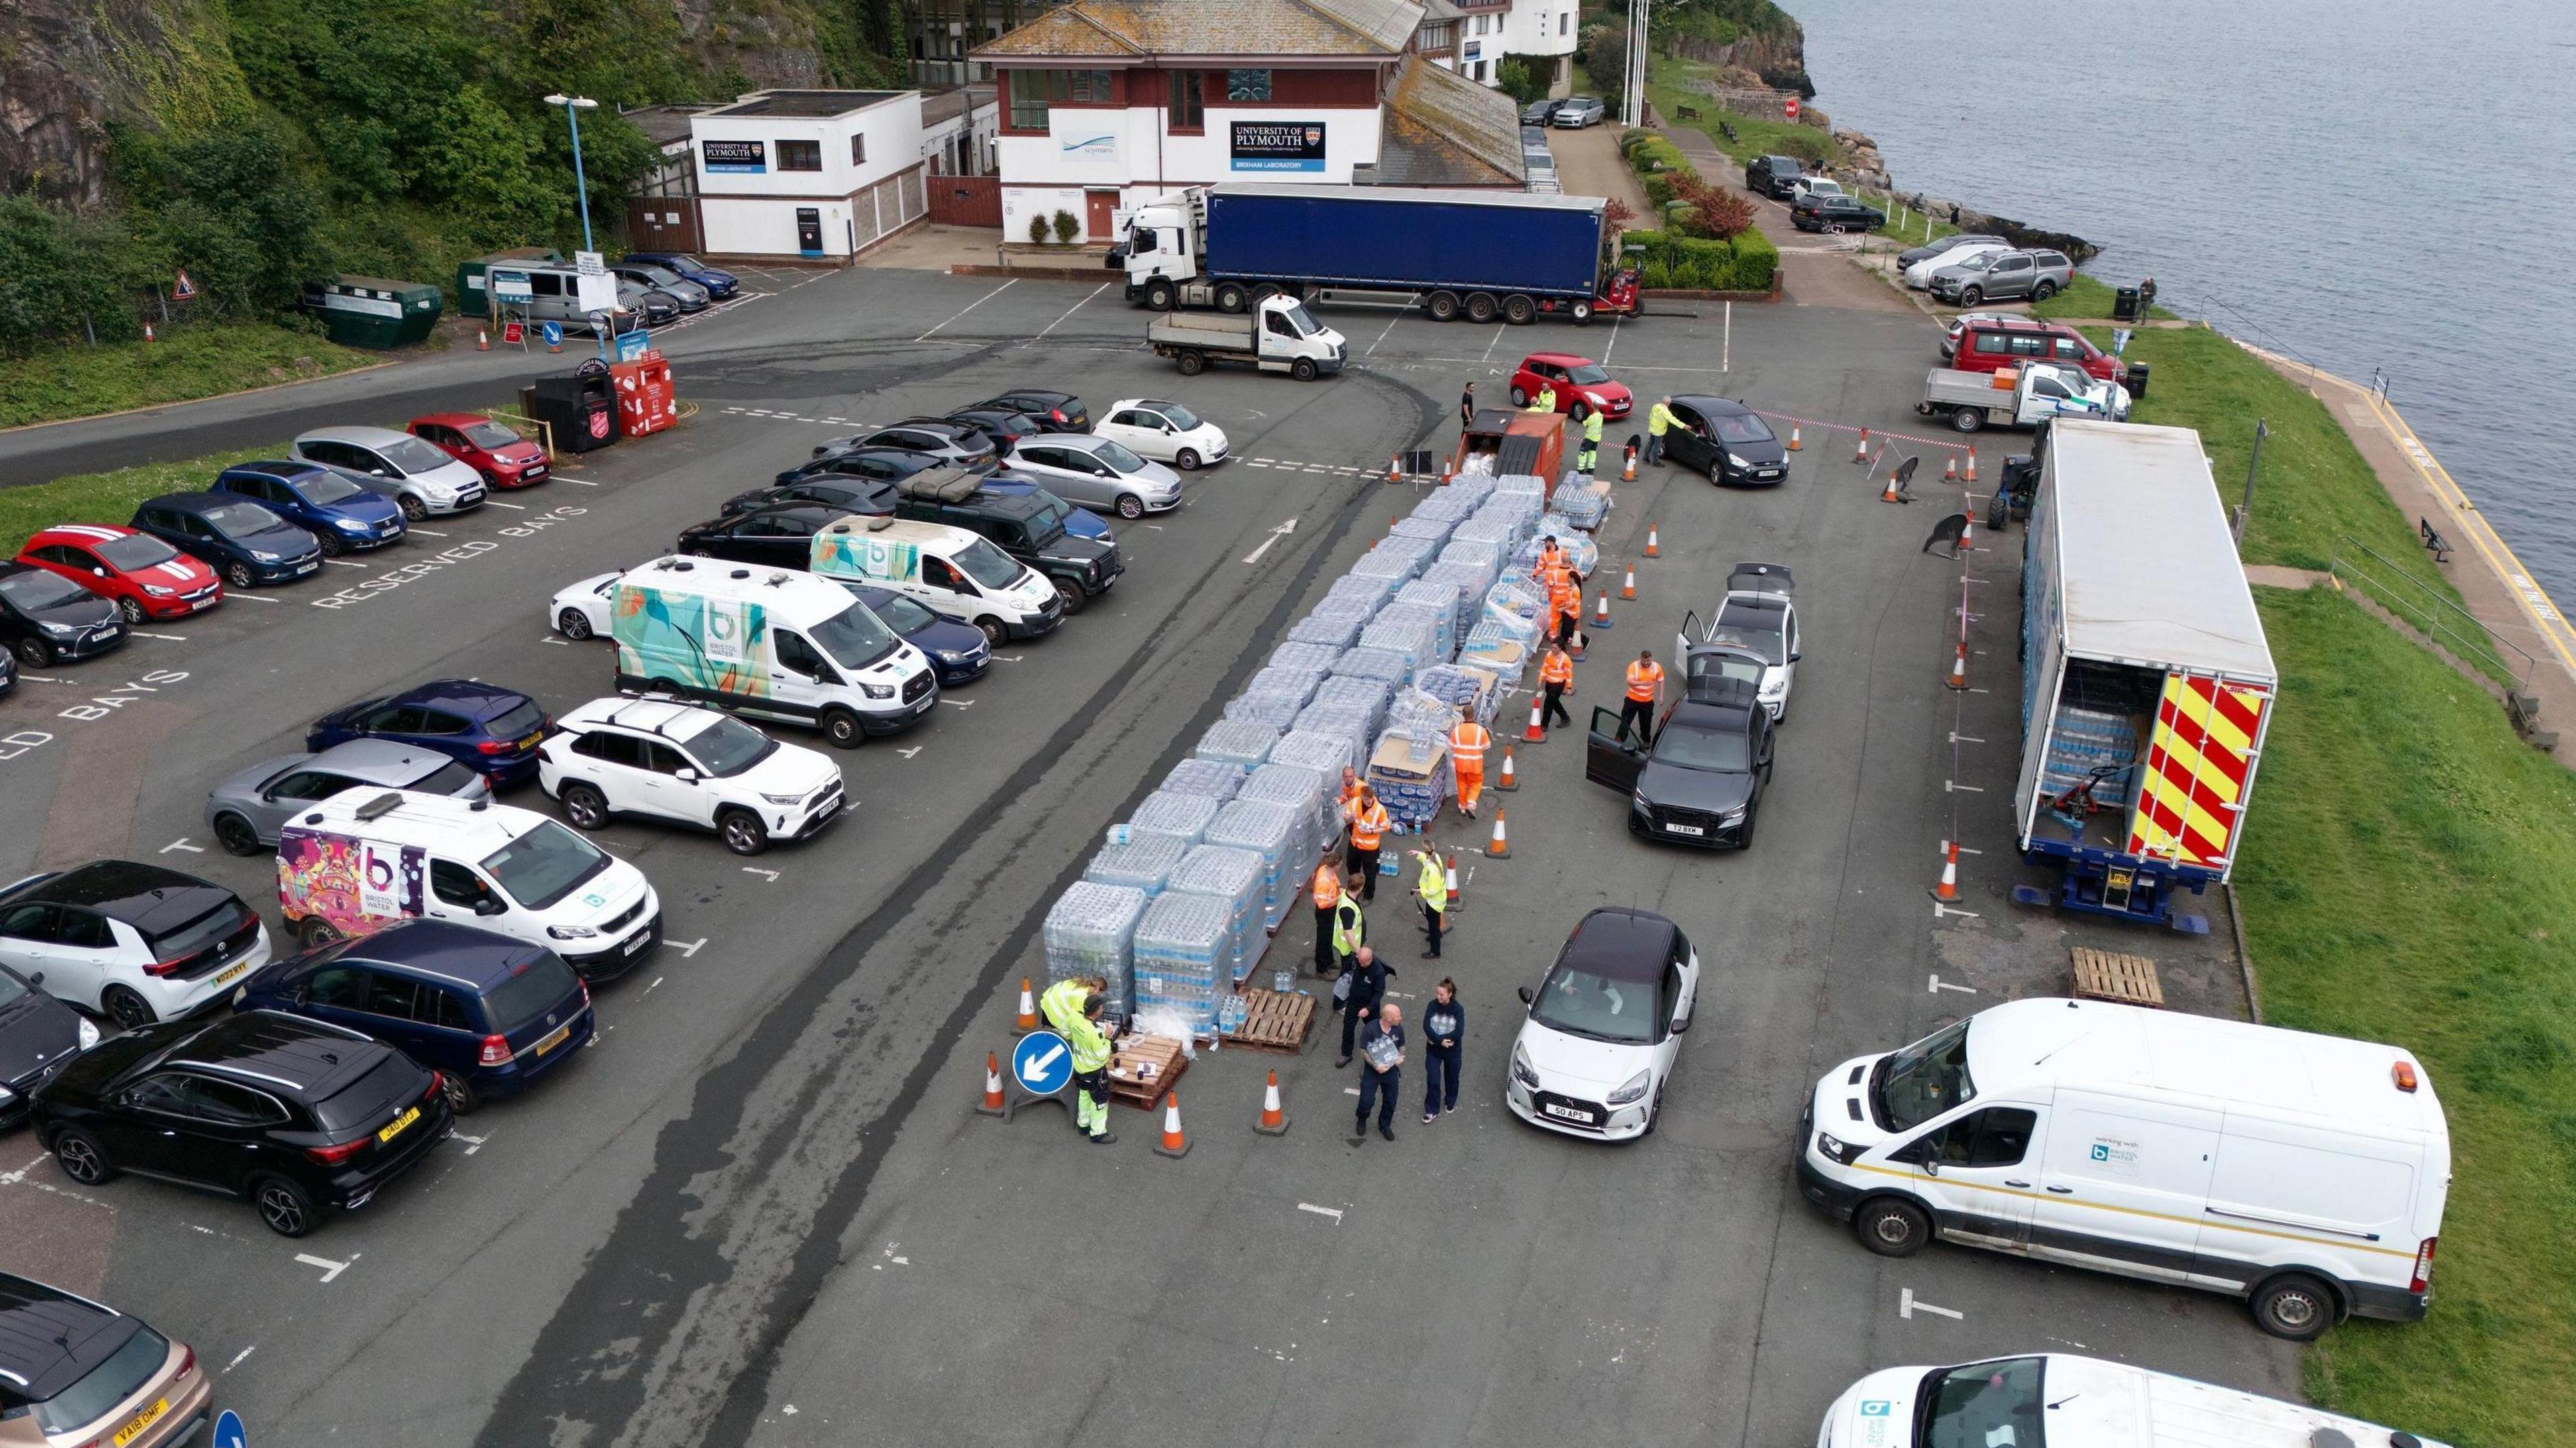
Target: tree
{"type": "Point", "coordinates": [1524, 80]}
{"type": "Point", "coordinates": [1722, 213]}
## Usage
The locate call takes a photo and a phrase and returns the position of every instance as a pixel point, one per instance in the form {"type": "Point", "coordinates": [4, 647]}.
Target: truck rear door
{"type": "Point", "coordinates": [2199, 770]}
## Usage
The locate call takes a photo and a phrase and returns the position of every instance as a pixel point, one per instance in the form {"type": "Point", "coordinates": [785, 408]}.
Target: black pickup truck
{"type": "Point", "coordinates": [1030, 528]}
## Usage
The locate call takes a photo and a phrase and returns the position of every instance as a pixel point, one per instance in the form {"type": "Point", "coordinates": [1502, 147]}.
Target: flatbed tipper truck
{"type": "Point", "coordinates": [1279, 335]}
{"type": "Point", "coordinates": [2147, 685]}
{"type": "Point", "coordinates": [2024, 396]}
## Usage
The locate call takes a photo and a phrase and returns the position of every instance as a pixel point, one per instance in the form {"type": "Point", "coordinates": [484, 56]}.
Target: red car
{"type": "Point", "coordinates": [1581, 385]}
{"type": "Point", "coordinates": [1991, 343]}
{"type": "Point", "coordinates": [143, 576]}
{"type": "Point", "coordinates": [505, 459]}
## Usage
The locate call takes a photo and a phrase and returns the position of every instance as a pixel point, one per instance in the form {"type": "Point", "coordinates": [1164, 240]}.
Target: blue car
{"type": "Point", "coordinates": [487, 1013]}
{"type": "Point", "coordinates": [244, 541]}
{"type": "Point", "coordinates": [959, 653]}
{"type": "Point", "coordinates": [482, 726]}
{"type": "Point", "coordinates": [1077, 521]}
{"type": "Point", "coordinates": [719, 284]}
{"type": "Point", "coordinates": [340, 515]}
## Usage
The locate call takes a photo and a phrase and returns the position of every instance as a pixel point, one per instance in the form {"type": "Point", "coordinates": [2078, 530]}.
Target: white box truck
{"type": "Point", "coordinates": [2146, 682]}
{"type": "Point", "coordinates": [2066, 1401]}
{"type": "Point", "coordinates": [2304, 1173]}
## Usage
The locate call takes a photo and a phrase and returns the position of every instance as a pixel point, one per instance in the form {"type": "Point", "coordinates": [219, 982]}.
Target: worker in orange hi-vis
{"type": "Point", "coordinates": [1550, 559]}
{"type": "Point", "coordinates": [1556, 675]}
{"type": "Point", "coordinates": [1565, 605]}
{"type": "Point", "coordinates": [1349, 805]}
{"type": "Point", "coordinates": [1369, 824]}
{"type": "Point", "coordinates": [1645, 691]}
{"type": "Point", "coordinates": [1468, 741]}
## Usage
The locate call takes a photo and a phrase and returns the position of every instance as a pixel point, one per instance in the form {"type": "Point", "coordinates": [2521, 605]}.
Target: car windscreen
{"type": "Point", "coordinates": [530, 991]}
{"type": "Point", "coordinates": [1177, 415]}
{"type": "Point", "coordinates": [854, 637]}
{"type": "Point", "coordinates": [1306, 324]}
{"type": "Point", "coordinates": [1589, 374]}
{"type": "Point", "coordinates": [1913, 1085]}
{"type": "Point", "coordinates": [1740, 427]}
{"type": "Point", "coordinates": [241, 520]}
{"type": "Point", "coordinates": [489, 435]}
{"type": "Point", "coordinates": [324, 489]}
{"type": "Point", "coordinates": [988, 565]}
{"type": "Point", "coordinates": [690, 264]}
{"type": "Point", "coordinates": [113, 1381]}
{"type": "Point", "coordinates": [1048, 521]}
{"type": "Point", "coordinates": [136, 551]}
{"type": "Point", "coordinates": [1753, 634]}
{"type": "Point", "coordinates": [182, 941]}
{"type": "Point", "coordinates": [372, 1099]}
{"type": "Point", "coordinates": [1596, 1007]}
{"type": "Point", "coordinates": [903, 615]}
{"type": "Point", "coordinates": [448, 778]}
{"type": "Point", "coordinates": [36, 590]}
{"type": "Point", "coordinates": [727, 747]}
{"type": "Point", "coordinates": [1983, 1405]}
{"type": "Point", "coordinates": [1723, 752]}
{"type": "Point", "coordinates": [414, 456]}
{"type": "Point", "coordinates": [544, 865]}
{"type": "Point", "coordinates": [518, 719]}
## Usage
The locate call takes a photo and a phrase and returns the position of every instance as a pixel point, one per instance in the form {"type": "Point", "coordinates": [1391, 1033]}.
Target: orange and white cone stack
{"type": "Point", "coordinates": [1537, 734]}
{"type": "Point", "coordinates": [1027, 1020]}
{"type": "Point", "coordinates": [1890, 493]}
{"type": "Point", "coordinates": [1860, 453]}
{"type": "Point", "coordinates": [1959, 667]}
{"type": "Point", "coordinates": [1173, 1144]}
{"type": "Point", "coordinates": [1628, 473]}
{"type": "Point", "coordinates": [1501, 848]}
{"type": "Point", "coordinates": [1628, 588]}
{"type": "Point", "coordinates": [482, 340]}
{"type": "Point", "coordinates": [1456, 895]}
{"type": "Point", "coordinates": [1653, 547]}
{"type": "Point", "coordinates": [1948, 889]}
{"type": "Point", "coordinates": [1507, 782]}
{"type": "Point", "coordinates": [992, 1104]}
{"type": "Point", "coordinates": [1395, 469]}
{"type": "Point", "coordinates": [1274, 1119]}
{"type": "Point", "coordinates": [1972, 465]}
{"type": "Point", "coordinates": [1601, 619]}
{"type": "Point", "coordinates": [1794, 444]}
{"type": "Point", "coordinates": [1967, 529]}
{"type": "Point", "coordinates": [1950, 469]}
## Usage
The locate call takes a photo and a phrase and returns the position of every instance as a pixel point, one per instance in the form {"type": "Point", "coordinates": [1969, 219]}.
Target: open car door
{"type": "Point", "coordinates": [1608, 760]}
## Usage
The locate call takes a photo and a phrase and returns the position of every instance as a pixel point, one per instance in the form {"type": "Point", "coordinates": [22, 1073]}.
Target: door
{"type": "Point", "coordinates": [1275, 343]}
{"type": "Point", "coordinates": [457, 893]}
{"type": "Point", "coordinates": [803, 681]}
{"type": "Point", "coordinates": [946, 591]}
{"type": "Point", "coordinates": [83, 945]}
{"type": "Point", "coordinates": [27, 946]}
{"type": "Point", "coordinates": [1100, 215]}
{"type": "Point", "coordinates": [1607, 759]}
{"type": "Point", "coordinates": [2011, 277]}
{"type": "Point", "coordinates": [162, 1130]}
{"type": "Point", "coordinates": [392, 1013]}
{"type": "Point", "coordinates": [665, 793]}
{"type": "Point", "coordinates": [1977, 1170]}
{"type": "Point", "coordinates": [2126, 1184]}
{"type": "Point", "coordinates": [1686, 442]}
{"type": "Point", "coordinates": [338, 994]}
{"type": "Point", "coordinates": [295, 790]}
{"type": "Point", "coordinates": [616, 767]}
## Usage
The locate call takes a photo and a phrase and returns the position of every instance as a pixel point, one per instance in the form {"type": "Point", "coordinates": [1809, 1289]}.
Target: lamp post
{"type": "Point", "coordinates": [573, 106]}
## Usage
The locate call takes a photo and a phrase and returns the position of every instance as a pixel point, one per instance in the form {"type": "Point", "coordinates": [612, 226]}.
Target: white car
{"type": "Point", "coordinates": [1919, 275]}
{"type": "Point", "coordinates": [1095, 472]}
{"type": "Point", "coordinates": [1604, 1028]}
{"type": "Point", "coordinates": [418, 477]}
{"type": "Point", "coordinates": [1806, 186]}
{"type": "Point", "coordinates": [580, 610]}
{"type": "Point", "coordinates": [1164, 431]}
{"type": "Point", "coordinates": [2085, 1403]}
{"type": "Point", "coordinates": [1753, 637]}
{"type": "Point", "coordinates": [677, 763]}
{"type": "Point", "coordinates": [135, 943]}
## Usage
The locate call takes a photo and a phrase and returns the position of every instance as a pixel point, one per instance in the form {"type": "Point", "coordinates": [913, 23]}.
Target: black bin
{"type": "Point", "coordinates": [580, 410]}
{"type": "Point", "coordinates": [2124, 305]}
{"type": "Point", "coordinates": [2137, 381]}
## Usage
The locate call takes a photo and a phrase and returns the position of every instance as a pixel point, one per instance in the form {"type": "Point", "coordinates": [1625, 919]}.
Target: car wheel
{"type": "Point", "coordinates": [286, 1209]}
{"type": "Point", "coordinates": [236, 836]}
{"type": "Point", "coordinates": [133, 611]}
{"type": "Point", "coordinates": [841, 728]}
{"type": "Point", "coordinates": [1578, 412]}
{"type": "Point", "coordinates": [1159, 296]}
{"type": "Point", "coordinates": [239, 575]}
{"type": "Point", "coordinates": [329, 542]}
{"type": "Point", "coordinates": [462, 1098]}
{"type": "Point", "coordinates": [1970, 296]}
{"type": "Point", "coordinates": [1520, 396]}
{"type": "Point", "coordinates": [1443, 306]}
{"type": "Point", "coordinates": [995, 635]}
{"type": "Point", "coordinates": [82, 1158]}
{"type": "Point", "coordinates": [743, 832]}
{"type": "Point", "coordinates": [1070, 594]}
{"type": "Point", "coordinates": [1187, 460]}
{"type": "Point", "coordinates": [2294, 1305]}
{"type": "Point", "coordinates": [1968, 419]}
{"type": "Point", "coordinates": [1892, 1226]}
{"type": "Point", "coordinates": [318, 932]}
{"type": "Point", "coordinates": [1481, 307]}
{"type": "Point", "coordinates": [413, 508]}
{"type": "Point", "coordinates": [1303, 369]}
{"type": "Point", "coordinates": [1131, 507]}
{"type": "Point", "coordinates": [1192, 364]}
{"type": "Point", "coordinates": [1231, 298]}
{"type": "Point", "coordinates": [585, 806]}
{"type": "Point", "coordinates": [574, 624]}
{"type": "Point", "coordinates": [1519, 311]}
{"type": "Point", "coordinates": [2043, 291]}
{"type": "Point", "coordinates": [129, 1010]}
{"type": "Point", "coordinates": [34, 653]}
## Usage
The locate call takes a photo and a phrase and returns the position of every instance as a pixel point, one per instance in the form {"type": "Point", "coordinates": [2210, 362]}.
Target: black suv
{"type": "Point", "coordinates": [1772, 176]}
{"type": "Point", "coordinates": [1835, 213]}
{"type": "Point", "coordinates": [1699, 781]}
{"type": "Point", "coordinates": [301, 1117]}
{"type": "Point", "coordinates": [1029, 527]}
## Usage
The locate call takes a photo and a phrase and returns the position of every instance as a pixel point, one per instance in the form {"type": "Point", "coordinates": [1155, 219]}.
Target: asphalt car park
{"type": "Point", "coordinates": [769, 1153]}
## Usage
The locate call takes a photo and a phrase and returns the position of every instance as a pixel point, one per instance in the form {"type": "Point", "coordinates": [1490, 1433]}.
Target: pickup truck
{"type": "Point", "coordinates": [2022, 396]}
{"type": "Point", "coordinates": [1279, 335]}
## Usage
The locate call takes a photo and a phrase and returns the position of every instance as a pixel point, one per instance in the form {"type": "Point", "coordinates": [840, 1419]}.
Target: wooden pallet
{"type": "Point", "coordinates": [1274, 1021]}
{"type": "Point", "coordinates": [2129, 979]}
{"type": "Point", "coordinates": [1130, 1084]}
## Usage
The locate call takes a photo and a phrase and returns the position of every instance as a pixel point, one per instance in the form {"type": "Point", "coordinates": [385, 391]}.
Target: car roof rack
{"type": "Point", "coordinates": [942, 484]}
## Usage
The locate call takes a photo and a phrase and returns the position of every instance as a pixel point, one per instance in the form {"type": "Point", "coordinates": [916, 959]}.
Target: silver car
{"type": "Point", "coordinates": [246, 810]}
{"type": "Point", "coordinates": [1578, 112]}
{"type": "Point", "coordinates": [394, 465]}
{"type": "Point", "coordinates": [1096, 473]}
{"type": "Point", "coordinates": [1997, 276]}
{"type": "Point", "coordinates": [686, 294]}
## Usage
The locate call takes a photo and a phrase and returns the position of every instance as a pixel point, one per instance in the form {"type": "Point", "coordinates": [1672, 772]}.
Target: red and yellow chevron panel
{"type": "Point", "coordinates": [2198, 762]}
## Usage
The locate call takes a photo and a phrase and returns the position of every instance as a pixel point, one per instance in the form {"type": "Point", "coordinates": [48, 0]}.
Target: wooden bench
{"type": "Point", "coordinates": [1686, 113]}
{"type": "Point", "coordinates": [2439, 546]}
{"type": "Point", "coordinates": [2103, 975]}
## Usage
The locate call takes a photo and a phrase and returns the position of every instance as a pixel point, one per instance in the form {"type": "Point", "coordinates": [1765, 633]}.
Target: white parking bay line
{"type": "Point", "coordinates": [181, 843]}
{"type": "Point", "coordinates": [1907, 1306]}
{"type": "Point", "coordinates": [688, 948]}
{"type": "Point", "coordinates": [169, 638]}
{"type": "Point", "coordinates": [424, 532]}
{"type": "Point", "coordinates": [1333, 1212]}
{"type": "Point", "coordinates": [1381, 337]}
{"type": "Point", "coordinates": [497, 503]}
{"type": "Point", "coordinates": [345, 563]}
{"type": "Point", "coordinates": [330, 1268]}
{"type": "Point", "coordinates": [248, 597]}
{"type": "Point", "coordinates": [970, 306]}
{"type": "Point", "coordinates": [1069, 311]}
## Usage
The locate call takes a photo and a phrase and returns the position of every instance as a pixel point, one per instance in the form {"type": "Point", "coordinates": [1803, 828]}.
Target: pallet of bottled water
{"type": "Point", "coordinates": [1335, 621]}
{"type": "Point", "coordinates": [1313, 793]}
{"type": "Point", "coordinates": [1182, 816]}
{"type": "Point", "coordinates": [1235, 877]}
{"type": "Point", "coordinates": [1454, 685]}
{"type": "Point", "coordinates": [1182, 949]}
{"type": "Point", "coordinates": [1139, 861]}
{"type": "Point", "coordinates": [1366, 692]}
{"type": "Point", "coordinates": [1091, 930]}
{"type": "Point", "coordinates": [1305, 658]}
{"type": "Point", "coordinates": [1328, 754]}
{"type": "Point", "coordinates": [1230, 741]}
{"type": "Point", "coordinates": [1370, 594]}
{"type": "Point", "coordinates": [1213, 778]}
{"type": "Point", "coordinates": [1270, 831]}
{"type": "Point", "coordinates": [1438, 599]}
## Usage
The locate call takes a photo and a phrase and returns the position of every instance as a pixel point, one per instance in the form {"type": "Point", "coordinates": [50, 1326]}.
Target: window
{"type": "Point", "coordinates": [309, 784]}
{"type": "Point", "coordinates": [800, 155]}
{"type": "Point", "coordinates": [226, 1104]}
{"type": "Point", "coordinates": [339, 986]}
{"type": "Point", "coordinates": [28, 922]}
{"type": "Point", "coordinates": [1562, 21]}
{"type": "Point", "coordinates": [445, 1009]}
{"type": "Point", "coordinates": [1189, 111]}
{"type": "Point", "coordinates": [663, 759]}
{"type": "Point", "coordinates": [456, 885]}
{"type": "Point", "coordinates": [938, 574]}
{"type": "Point", "coordinates": [610, 748]}
{"type": "Point", "coordinates": [2071, 350]}
{"type": "Point", "coordinates": [540, 284]}
{"type": "Point", "coordinates": [390, 996]}
{"type": "Point", "coordinates": [1996, 1136]}
{"type": "Point", "coordinates": [83, 930]}
{"type": "Point", "coordinates": [439, 721]}
{"type": "Point", "coordinates": [798, 657]}
{"type": "Point", "coordinates": [1032, 91]}
{"type": "Point", "coordinates": [858, 150]}
{"type": "Point", "coordinates": [1247, 85]}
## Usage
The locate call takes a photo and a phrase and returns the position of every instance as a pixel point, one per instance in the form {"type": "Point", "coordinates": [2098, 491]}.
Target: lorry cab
{"type": "Point", "coordinates": [950, 571]}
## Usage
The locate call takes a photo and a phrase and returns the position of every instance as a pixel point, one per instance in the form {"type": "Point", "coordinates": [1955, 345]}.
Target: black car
{"type": "Point", "coordinates": [953, 443]}
{"type": "Point", "coordinates": [46, 618]}
{"type": "Point", "coordinates": [780, 536]}
{"type": "Point", "coordinates": [240, 539]}
{"type": "Point", "coordinates": [1004, 425]}
{"type": "Point", "coordinates": [1772, 176]}
{"type": "Point", "coordinates": [37, 1033]}
{"type": "Point", "coordinates": [300, 1117]}
{"type": "Point", "coordinates": [1061, 411]}
{"type": "Point", "coordinates": [1700, 780]}
{"type": "Point", "coordinates": [1835, 213]}
{"type": "Point", "coordinates": [1028, 526]}
{"type": "Point", "coordinates": [8, 672]}
{"type": "Point", "coordinates": [886, 464]}
{"type": "Point", "coordinates": [1916, 255]}
{"type": "Point", "coordinates": [1539, 113]}
{"type": "Point", "coordinates": [1726, 440]}
{"type": "Point", "coordinates": [850, 495]}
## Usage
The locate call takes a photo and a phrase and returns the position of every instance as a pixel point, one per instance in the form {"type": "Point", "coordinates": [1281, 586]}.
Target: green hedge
{"type": "Point", "coordinates": [1689, 263]}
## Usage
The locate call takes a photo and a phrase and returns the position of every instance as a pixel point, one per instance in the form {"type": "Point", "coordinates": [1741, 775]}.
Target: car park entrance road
{"type": "Point", "coordinates": [760, 1209]}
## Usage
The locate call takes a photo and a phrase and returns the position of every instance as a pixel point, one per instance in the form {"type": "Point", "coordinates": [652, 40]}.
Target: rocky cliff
{"type": "Point", "coordinates": [68, 74]}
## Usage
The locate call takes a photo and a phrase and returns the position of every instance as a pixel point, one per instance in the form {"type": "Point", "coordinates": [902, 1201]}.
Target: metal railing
{"type": "Point", "coordinates": [2446, 623]}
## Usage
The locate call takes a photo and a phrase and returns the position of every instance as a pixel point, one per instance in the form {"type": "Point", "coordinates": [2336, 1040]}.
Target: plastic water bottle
{"type": "Point", "coordinates": [1283, 980]}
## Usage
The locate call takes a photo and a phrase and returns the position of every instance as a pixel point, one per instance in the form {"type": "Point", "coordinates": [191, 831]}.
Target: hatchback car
{"type": "Point", "coordinates": [720, 284]}
{"type": "Point", "coordinates": [485, 727]}
{"type": "Point", "coordinates": [1575, 112]}
{"type": "Point", "coordinates": [419, 478]}
{"type": "Point", "coordinates": [242, 540]}
{"type": "Point", "coordinates": [959, 653]}
{"type": "Point", "coordinates": [1757, 620]}
{"type": "Point", "coordinates": [1003, 425]}
{"type": "Point", "coordinates": [1834, 214]}
{"type": "Point", "coordinates": [144, 577]}
{"type": "Point", "coordinates": [247, 810]}
{"type": "Point", "coordinates": [581, 610]}
{"type": "Point", "coordinates": [779, 536]}
{"type": "Point", "coordinates": [847, 493]}
{"type": "Point", "coordinates": [1538, 113]}
{"type": "Point", "coordinates": [679, 764]}
{"type": "Point", "coordinates": [1063, 411]}
{"type": "Point", "coordinates": [1094, 472]}
{"type": "Point", "coordinates": [46, 618]}
{"type": "Point", "coordinates": [494, 449]}
{"type": "Point", "coordinates": [1726, 440]}
{"type": "Point", "coordinates": [1167, 432]}
{"type": "Point", "coordinates": [879, 464]}
{"type": "Point", "coordinates": [1699, 780]}
{"type": "Point", "coordinates": [1582, 385]}
{"type": "Point", "coordinates": [955, 444]}
{"type": "Point", "coordinates": [341, 516]}
{"type": "Point", "coordinates": [72, 1371]}
{"type": "Point", "coordinates": [2037, 274]}
{"type": "Point", "coordinates": [37, 1033]}
{"type": "Point", "coordinates": [135, 943]}
{"type": "Point", "coordinates": [301, 1117]}
{"type": "Point", "coordinates": [638, 304]}
{"type": "Point", "coordinates": [489, 1014]}
{"type": "Point", "coordinates": [686, 294]}
{"type": "Point", "coordinates": [1604, 1027]}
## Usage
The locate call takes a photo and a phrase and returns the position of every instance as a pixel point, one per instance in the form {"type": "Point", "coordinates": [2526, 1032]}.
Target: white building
{"type": "Point", "coordinates": [812, 174]}
{"type": "Point", "coordinates": [1540, 32]}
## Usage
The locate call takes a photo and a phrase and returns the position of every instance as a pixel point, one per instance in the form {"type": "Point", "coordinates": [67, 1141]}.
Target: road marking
{"type": "Point", "coordinates": [427, 533]}
{"type": "Point", "coordinates": [970, 306]}
{"type": "Point", "coordinates": [181, 843]}
{"type": "Point", "coordinates": [1282, 531]}
{"type": "Point", "coordinates": [960, 703]}
{"type": "Point", "coordinates": [497, 503]}
{"type": "Point", "coordinates": [476, 1140]}
{"type": "Point", "coordinates": [551, 639]}
{"type": "Point", "coordinates": [1069, 311]}
{"type": "Point", "coordinates": [1907, 1306]}
{"type": "Point", "coordinates": [1006, 658]}
{"type": "Point", "coordinates": [1958, 738]}
{"type": "Point", "coordinates": [1333, 1212]}
{"type": "Point", "coordinates": [237, 1357]}
{"type": "Point", "coordinates": [756, 870]}
{"type": "Point", "coordinates": [239, 596]}
{"type": "Point", "coordinates": [585, 482]}
{"type": "Point", "coordinates": [43, 679]}
{"type": "Point", "coordinates": [1965, 850]}
{"type": "Point", "coordinates": [1970, 788]}
{"type": "Point", "coordinates": [1350, 1091]}
{"type": "Point", "coordinates": [331, 1269]}
{"type": "Point", "coordinates": [688, 948]}
{"type": "Point", "coordinates": [1390, 326]}
{"type": "Point", "coordinates": [1614, 338]}
{"type": "Point", "coordinates": [344, 563]}
{"type": "Point", "coordinates": [1939, 910]}
{"type": "Point", "coordinates": [172, 638]}
{"type": "Point", "coordinates": [908, 753]}
{"type": "Point", "coordinates": [1939, 985]}
{"type": "Point", "coordinates": [1490, 346]}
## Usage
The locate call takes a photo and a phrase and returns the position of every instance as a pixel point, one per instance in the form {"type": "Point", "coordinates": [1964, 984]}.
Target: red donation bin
{"type": "Point", "coordinates": [644, 396]}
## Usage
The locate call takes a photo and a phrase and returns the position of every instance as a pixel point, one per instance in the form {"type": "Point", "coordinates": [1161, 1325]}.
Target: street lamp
{"type": "Point", "coordinates": [573, 107]}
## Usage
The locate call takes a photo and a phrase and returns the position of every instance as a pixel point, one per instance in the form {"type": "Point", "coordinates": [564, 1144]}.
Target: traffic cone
{"type": "Point", "coordinates": [482, 340]}
{"type": "Point", "coordinates": [1860, 453]}
{"type": "Point", "coordinates": [1959, 667]}
{"type": "Point", "coordinates": [1536, 734]}
{"type": "Point", "coordinates": [1890, 494]}
{"type": "Point", "coordinates": [1653, 547]}
{"type": "Point", "coordinates": [1395, 468]}
{"type": "Point", "coordinates": [1027, 1020]}
{"type": "Point", "coordinates": [1173, 1144]}
{"type": "Point", "coordinates": [1501, 848]}
{"type": "Point", "coordinates": [1794, 444]}
{"type": "Point", "coordinates": [1628, 589]}
{"type": "Point", "coordinates": [992, 1087]}
{"type": "Point", "coordinates": [1628, 474]}
{"type": "Point", "coordinates": [1972, 465]}
{"type": "Point", "coordinates": [147, 333]}
{"type": "Point", "coordinates": [1948, 889]}
{"type": "Point", "coordinates": [1505, 783]}
{"type": "Point", "coordinates": [1456, 895]}
{"type": "Point", "coordinates": [1601, 619]}
{"type": "Point", "coordinates": [1274, 1120]}
{"type": "Point", "coordinates": [1968, 529]}
{"type": "Point", "coordinates": [1950, 469]}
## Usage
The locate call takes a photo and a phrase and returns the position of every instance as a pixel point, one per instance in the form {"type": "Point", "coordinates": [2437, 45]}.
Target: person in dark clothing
{"type": "Point", "coordinates": [1467, 405]}
{"type": "Point", "coordinates": [1383, 1044]}
{"type": "Point", "coordinates": [1367, 975]}
{"type": "Point", "coordinates": [1444, 1026]}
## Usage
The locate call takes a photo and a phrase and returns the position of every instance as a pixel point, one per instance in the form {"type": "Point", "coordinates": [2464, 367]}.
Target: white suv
{"type": "Point", "coordinates": [135, 943]}
{"type": "Point", "coordinates": [676, 762]}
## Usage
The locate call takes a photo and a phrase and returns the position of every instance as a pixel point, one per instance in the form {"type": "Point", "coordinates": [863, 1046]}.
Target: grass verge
{"type": "Point", "coordinates": [108, 497]}
{"type": "Point", "coordinates": [2405, 880]}
{"type": "Point", "coordinates": [2087, 300]}
{"type": "Point", "coordinates": [205, 360]}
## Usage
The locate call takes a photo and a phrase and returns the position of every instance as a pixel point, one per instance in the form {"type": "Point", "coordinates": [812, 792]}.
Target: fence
{"type": "Point", "coordinates": [2437, 618]}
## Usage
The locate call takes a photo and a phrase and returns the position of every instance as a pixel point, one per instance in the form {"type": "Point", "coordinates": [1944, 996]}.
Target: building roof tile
{"type": "Point", "coordinates": [1443, 129]}
{"type": "Point", "coordinates": [1137, 29]}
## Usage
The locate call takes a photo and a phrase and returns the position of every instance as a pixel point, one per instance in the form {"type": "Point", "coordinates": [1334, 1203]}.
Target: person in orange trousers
{"type": "Point", "coordinates": [1468, 741]}
{"type": "Point", "coordinates": [1556, 676]}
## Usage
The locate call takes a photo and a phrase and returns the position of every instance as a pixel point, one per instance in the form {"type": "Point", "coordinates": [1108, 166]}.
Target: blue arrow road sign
{"type": "Point", "coordinates": [1042, 1063]}
{"type": "Point", "coordinates": [554, 334]}
{"type": "Point", "coordinates": [229, 1432]}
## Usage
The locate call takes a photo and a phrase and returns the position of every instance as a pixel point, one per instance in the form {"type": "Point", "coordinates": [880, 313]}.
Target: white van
{"type": "Point", "coordinates": [773, 642]}
{"type": "Point", "coordinates": [950, 571]}
{"type": "Point", "coordinates": [368, 857]}
{"type": "Point", "coordinates": [2079, 1402]}
{"type": "Point", "coordinates": [2303, 1173]}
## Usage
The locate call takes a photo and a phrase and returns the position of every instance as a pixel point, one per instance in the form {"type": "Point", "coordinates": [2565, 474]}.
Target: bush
{"type": "Point", "coordinates": [1695, 264]}
{"type": "Point", "coordinates": [1066, 227]}
{"type": "Point", "coordinates": [1723, 213]}
{"type": "Point", "coordinates": [1523, 80]}
{"type": "Point", "coordinates": [1038, 229]}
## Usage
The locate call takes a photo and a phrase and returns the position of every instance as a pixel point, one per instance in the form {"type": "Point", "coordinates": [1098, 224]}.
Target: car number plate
{"type": "Point", "coordinates": [1684, 830]}
{"type": "Point", "coordinates": [410, 1115]}
{"type": "Point", "coordinates": [531, 742]}
{"type": "Point", "coordinates": [230, 972]}
{"type": "Point", "coordinates": [141, 1421]}
{"type": "Point", "coordinates": [1568, 1113]}
{"type": "Point", "coordinates": [561, 1034]}
{"type": "Point", "coordinates": [304, 568]}
{"type": "Point", "coordinates": [636, 943]}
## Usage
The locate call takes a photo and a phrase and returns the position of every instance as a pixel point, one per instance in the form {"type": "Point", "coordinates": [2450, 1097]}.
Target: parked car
{"type": "Point", "coordinates": [719, 283]}
{"type": "Point", "coordinates": [885, 464]}
{"type": "Point", "coordinates": [679, 764]}
{"type": "Point", "coordinates": [958, 652]}
{"type": "Point", "coordinates": [847, 494]}
{"type": "Point", "coordinates": [1772, 176]}
{"type": "Point", "coordinates": [417, 477]}
{"type": "Point", "coordinates": [1907, 258]}
{"type": "Point", "coordinates": [1003, 425]}
{"type": "Point", "coordinates": [240, 539]}
{"type": "Point", "coordinates": [135, 943]}
{"type": "Point", "coordinates": [2011, 341]}
{"type": "Point", "coordinates": [1063, 411]}
{"type": "Point", "coordinates": [37, 1032]}
{"type": "Point", "coordinates": [1094, 472]}
{"type": "Point", "coordinates": [1726, 440]}
{"type": "Point", "coordinates": [301, 1117]}
{"type": "Point", "coordinates": [1699, 781]}
{"type": "Point", "coordinates": [47, 619]}
{"type": "Point", "coordinates": [1814, 185]}
{"type": "Point", "coordinates": [247, 810]}
{"type": "Point", "coordinates": [1575, 112]}
{"type": "Point", "coordinates": [650, 306]}
{"type": "Point", "coordinates": [953, 443]}
{"type": "Point", "coordinates": [144, 577]}
{"type": "Point", "coordinates": [687, 295]}
{"type": "Point", "coordinates": [72, 1371]}
{"type": "Point", "coordinates": [778, 536]}
{"type": "Point", "coordinates": [1031, 528]}
{"type": "Point", "coordinates": [487, 1013]}
{"type": "Point", "coordinates": [1951, 329]}
{"type": "Point", "coordinates": [1582, 385]}
{"type": "Point", "coordinates": [1534, 134]}
{"type": "Point", "coordinates": [1539, 113]}
{"type": "Point", "coordinates": [1073, 520]}
{"type": "Point", "coordinates": [582, 610]}
{"type": "Point", "coordinates": [1758, 619]}
{"type": "Point", "coordinates": [1918, 275]}
{"type": "Point", "coordinates": [482, 726]}
{"type": "Point", "coordinates": [8, 672]}
{"type": "Point", "coordinates": [494, 449]}
{"type": "Point", "coordinates": [339, 514]}
{"type": "Point", "coordinates": [1604, 1028]}
{"type": "Point", "coordinates": [1996, 1399]}
{"type": "Point", "coordinates": [1167, 432]}
{"type": "Point", "coordinates": [1835, 214]}
{"type": "Point", "coordinates": [2002, 276]}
